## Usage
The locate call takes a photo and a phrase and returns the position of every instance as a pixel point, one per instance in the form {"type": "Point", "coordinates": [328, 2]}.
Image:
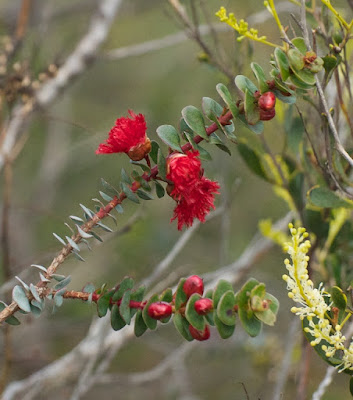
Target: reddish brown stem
{"type": "Point", "coordinates": [223, 120]}
{"type": "Point", "coordinates": [102, 213]}
{"type": "Point", "coordinates": [84, 296]}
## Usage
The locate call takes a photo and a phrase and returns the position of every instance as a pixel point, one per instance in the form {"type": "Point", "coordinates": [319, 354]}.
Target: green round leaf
{"type": "Point", "coordinates": [124, 307]}
{"type": "Point", "coordinates": [225, 331]}
{"type": "Point", "coordinates": [339, 298]}
{"type": "Point", "coordinates": [167, 295]}
{"type": "Point", "coordinates": [282, 63]}
{"type": "Point", "coordinates": [103, 304]}
{"type": "Point", "coordinates": [222, 287]}
{"type": "Point", "coordinates": [194, 119]}
{"type": "Point", "coordinates": [244, 83]}
{"type": "Point", "coordinates": [249, 322]}
{"type": "Point", "coordinates": [225, 308]}
{"type": "Point", "coordinates": [260, 76]}
{"type": "Point", "coordinates": [140, 326]}
{"type": "Point", "coordinates": [169, 135]}
{"type": "Point", "coordinates": [182, 326]}
{"type": "Point", "coordinates": [323, 197]}
{"type": "Point", "coordinates": [150, 322]}
{"type": "Point", "coordinates": [299, 43]}
{"type": "Point", "coordinates": [180, 296]}
{"type": "Point", "coordinates": [125, 284]}
{"type": "Point", "coordinates": [196, 320]}
{"type": "Point", "coordinates": [116, 319]}
{"type": "Point", "coordinates": [162, 164]}
{"type": "Point", "coordinates": [252, 112]}
{"type": "Point", "coordinates": [227, 98]}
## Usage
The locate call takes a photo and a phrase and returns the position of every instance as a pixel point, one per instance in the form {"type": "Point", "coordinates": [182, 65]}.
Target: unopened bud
{"type": "Point", "coordinates": [203, 306]}
{"type": "Point", "coordinates": [200, 335]}
{"type": "Point", "coordinates": [139, 152]}
{"type": "Point", "coordinates": [267, 115]}
{"type": "Point", "coordinates": [193, 284]}
{"type": "Point", "coordinates": [159, 310]}
{"type": "Point", "coordinates": [267, 101]}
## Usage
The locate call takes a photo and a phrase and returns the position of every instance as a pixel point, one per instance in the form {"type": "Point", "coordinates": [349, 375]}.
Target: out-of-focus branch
{"type": "Point", "coordinates": [23, 18]}
{"type": "Point", "coordinates": [71, 365]}
{"type": "Point", "coordinates": [180, 37]}
{"type": "Point", "coordinates": [79, 60]}
{"type": "Point", "coordinates": [290, 341]}
{"type": "Point", "coordinates": [340, 148]}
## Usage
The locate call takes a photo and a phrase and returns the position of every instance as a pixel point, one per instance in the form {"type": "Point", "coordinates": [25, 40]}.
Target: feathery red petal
{"type": "Point", "coordinates": [125, 135]}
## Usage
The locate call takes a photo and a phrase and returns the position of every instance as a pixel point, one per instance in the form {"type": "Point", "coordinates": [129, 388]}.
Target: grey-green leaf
{"type": "Point", "coordinates": [20, 297]}
{"type": "Point", "coordinates": [194, 119]}
{"type": "Point", "coordinates": [169, 135]}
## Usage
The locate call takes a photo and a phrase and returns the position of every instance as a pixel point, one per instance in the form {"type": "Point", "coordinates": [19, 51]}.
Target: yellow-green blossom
{"type": "Point", "coordinates": [314, 303]}
{"type": "Point", "coordinates": [241, 27]}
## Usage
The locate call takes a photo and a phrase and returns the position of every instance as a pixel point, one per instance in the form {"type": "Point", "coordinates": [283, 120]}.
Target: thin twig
{"type": "Point", "coordinates": [79, 60]}
{"type": "Point", "coordinates": [287, 359]}
{"type": "Point", "coordinates": [23, 18]}
{"type": "Point", "coordinates": [70, 365]}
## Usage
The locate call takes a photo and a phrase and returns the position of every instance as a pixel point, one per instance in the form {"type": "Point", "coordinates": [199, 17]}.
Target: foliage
{"type": "Point", "coordinates": [312, 174]}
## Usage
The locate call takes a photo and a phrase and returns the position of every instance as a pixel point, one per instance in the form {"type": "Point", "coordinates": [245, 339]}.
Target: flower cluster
{"type": "Point", "coordinates": [315, 303]}
{"type": "Point", "coordinates": [128, 135]}
{"type": "Point", "coordinates": [193, 192]}
{"type": "Point", "coordinates": [241, 27]}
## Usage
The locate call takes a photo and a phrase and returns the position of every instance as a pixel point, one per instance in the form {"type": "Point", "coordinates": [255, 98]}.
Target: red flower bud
{"type": "Point", "coordinates": [203, 306]}
{"type": "Point", "coordinates": [267, 101]}
{"type": "Point", "coordinates": [139, 151]}
{"type": "Point", "coordinates": [200, 335]}
{"type": "Point", "coordinates": [194, 284]}
{"type": "Point", "coordinates": [267, 115]}
{"type": "Point", "coordinates": [159, 310]}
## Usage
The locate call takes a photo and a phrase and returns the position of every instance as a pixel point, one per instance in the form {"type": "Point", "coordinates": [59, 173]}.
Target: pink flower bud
{"type": "Point", "coordinates": [203, 306]}
{"type": "Point", "coordinates": [194, 284]}
{"type": "Point", "coordinates": [267, 101]}
{"type": "Point", "coordinates": [159, 310]}
{"type": "Point", "coordinates": [200, 335]}
{"type": "Point", "coordinates": [267, 115]}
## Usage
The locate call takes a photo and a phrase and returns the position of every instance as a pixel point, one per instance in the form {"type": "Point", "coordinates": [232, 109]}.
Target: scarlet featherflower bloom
{"type": "Point", "coordinates": [193, 192]}
{"type": "Point", "coordinates": [128, 135]}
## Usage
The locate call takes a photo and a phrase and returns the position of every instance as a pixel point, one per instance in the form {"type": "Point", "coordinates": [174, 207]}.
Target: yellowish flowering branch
{"type": "Point", "coordinates": [242, 27]}
{"type": "Point", "coordinates": [315, 303]}
{"type": "Point", "coordinates": [346, 25]}
{"type": "Point", "coordinates": [270, 5]}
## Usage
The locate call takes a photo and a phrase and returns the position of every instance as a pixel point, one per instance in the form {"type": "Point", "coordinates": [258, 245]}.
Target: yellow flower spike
{"type": "Point", "coordinates": [314, 303]}
{"type": "Point", "coordinates": [242, 27]}
{"type": "Point", "coordinates": [328, 4]}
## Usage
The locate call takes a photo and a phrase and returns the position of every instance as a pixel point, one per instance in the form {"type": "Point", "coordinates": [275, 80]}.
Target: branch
{"type": "Point", "coordinates": [79, 60]}
{"type": "Point", "coordinates": [71, 365]}
{"type": "Point", "coordinates": [181, 37]}
{"type": "Point", "coordinates": [320, 90]}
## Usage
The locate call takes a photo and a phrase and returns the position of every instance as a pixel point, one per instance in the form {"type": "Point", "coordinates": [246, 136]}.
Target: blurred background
{"type": "Point", "coordinates": [57, 170]}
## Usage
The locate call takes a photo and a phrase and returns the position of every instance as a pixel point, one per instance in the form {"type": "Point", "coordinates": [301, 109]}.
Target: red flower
{"type": "Point", "coordinates": [193, 193]}
{"type": "Point", "coordinates": [128, 135]}
{"type": "Point", "coordinates": [184, 171]}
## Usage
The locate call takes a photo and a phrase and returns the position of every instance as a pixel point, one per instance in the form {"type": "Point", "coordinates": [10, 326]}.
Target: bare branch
{"type": "Point", "coordinates": [79, 60]}
{"type": "Point", "coordinates": [180, 37]}
{"type": "Point", "coordinates": [70, 366]}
